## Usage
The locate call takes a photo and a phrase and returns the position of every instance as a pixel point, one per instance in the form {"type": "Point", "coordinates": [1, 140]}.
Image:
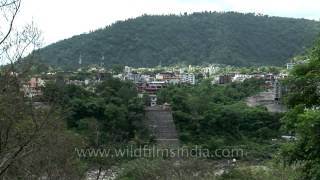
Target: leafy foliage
{"type": "Point", "coordinates": [213, 115]}
{"type": "Point", "coordinates": [111, 114]}
{"type": "Point", "coordinates": [303, 119]}
{"type": "Point", "coordinates": [33, 138]}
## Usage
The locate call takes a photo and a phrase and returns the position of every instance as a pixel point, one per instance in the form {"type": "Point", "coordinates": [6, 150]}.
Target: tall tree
{"type": "Point", "coordinates": [303, 119]}
{"type": "Point", "coordinates": [31, 137]}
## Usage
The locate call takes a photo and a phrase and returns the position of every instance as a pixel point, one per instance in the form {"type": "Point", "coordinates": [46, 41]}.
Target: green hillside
{"type": "Point", "coordinates": [209, 37]}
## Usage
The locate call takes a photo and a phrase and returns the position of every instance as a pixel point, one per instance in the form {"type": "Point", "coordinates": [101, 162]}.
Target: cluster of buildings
{"type": "Point", "coordinates": [272, 81]}
{"type": "Point", "coordinates": [238, 77]}
{"type": "Point", "coordinates": [33, 87]}
{"type": "Point", "coordinates": [150, 83]}
{"type": "Point", "coordinates": [151, 80]}
{"type": "Point", "coordinates": [168, 77]}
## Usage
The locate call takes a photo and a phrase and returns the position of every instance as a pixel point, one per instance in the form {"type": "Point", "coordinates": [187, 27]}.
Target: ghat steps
{"type": "Point", "coordinates": [160, 122]}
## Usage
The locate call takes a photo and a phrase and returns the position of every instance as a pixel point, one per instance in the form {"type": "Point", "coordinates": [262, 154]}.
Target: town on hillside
{"type": "Point", "coordinates": [150, 80]}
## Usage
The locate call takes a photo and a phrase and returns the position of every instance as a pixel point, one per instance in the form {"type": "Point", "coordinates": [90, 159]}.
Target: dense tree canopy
{"type": "Point", "coordinates": [215, 116]}
{"type": "Point", "coordinates": [112, 113]}
{"type": "Point", "coordinates": [225, 38]}
{"type": "Point", "coordinates": [303, 119]}
{"type": "Point", "coordinates": [33, 138]}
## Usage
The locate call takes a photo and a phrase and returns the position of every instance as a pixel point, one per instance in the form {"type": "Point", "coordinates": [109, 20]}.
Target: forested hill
{"type": "Point", "coordinates": [227, 38]}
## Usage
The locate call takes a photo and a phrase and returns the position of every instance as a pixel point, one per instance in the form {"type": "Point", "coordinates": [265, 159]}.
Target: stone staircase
{"type": "Point", "coordinates": [160, 122]}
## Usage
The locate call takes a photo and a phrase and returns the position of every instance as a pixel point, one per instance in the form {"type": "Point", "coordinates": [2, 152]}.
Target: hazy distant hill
{"type": "Point", "coordinates": [228, 38]}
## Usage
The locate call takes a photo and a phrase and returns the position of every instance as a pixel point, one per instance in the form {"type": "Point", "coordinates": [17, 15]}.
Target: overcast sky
{"type": "Point", "coordinates": [60, 19]}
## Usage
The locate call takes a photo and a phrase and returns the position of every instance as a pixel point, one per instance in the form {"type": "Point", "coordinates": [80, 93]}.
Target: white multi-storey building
{"type": "Point", "coordinates": [241, 77]}
{"type": "Point", "coordinates": [210, 70]}
{"type": "Point", "coordinates": [127, 69]}
{"type": "Point", "coordinates": [188, 78]}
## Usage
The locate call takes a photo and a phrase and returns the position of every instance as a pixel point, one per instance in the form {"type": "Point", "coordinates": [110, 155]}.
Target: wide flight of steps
{"type": "Point", "coordinates": [160, 122]}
